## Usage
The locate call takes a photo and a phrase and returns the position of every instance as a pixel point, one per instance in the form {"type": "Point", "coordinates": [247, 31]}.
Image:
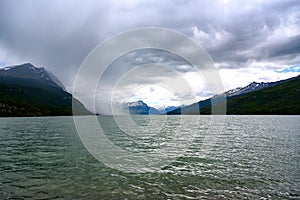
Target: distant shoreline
{"type": "Point", "coordinates": [48, 116]}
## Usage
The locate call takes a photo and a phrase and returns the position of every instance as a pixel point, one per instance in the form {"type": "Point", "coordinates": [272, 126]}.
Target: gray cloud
{"type": "Point", "coordinates": [290, 47]}
{"type": "Point", "coordinates": [58, 34]}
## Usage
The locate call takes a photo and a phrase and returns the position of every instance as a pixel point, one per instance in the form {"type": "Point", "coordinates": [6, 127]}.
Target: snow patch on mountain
{"type": "Point", "coordinates": [28, 71]}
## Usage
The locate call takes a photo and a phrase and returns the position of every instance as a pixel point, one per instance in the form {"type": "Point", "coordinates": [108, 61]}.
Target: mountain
{"type": "Point", "coordinates": [249, 88]}
{"type": "Point", "coordinates": [254, 86]}
{"type": "Point", "coordinates": [140, 108]}
{"type": "Point", "coordinates": [27, 74]}
{"type": "Point", "coordinates": [26, 90]}
{"type": "Point", "coordinates": [167, 109]}
{"type": "Point", "coordinates": [192, 109]}
{"type": "Point", "coordinates": [281, 97]}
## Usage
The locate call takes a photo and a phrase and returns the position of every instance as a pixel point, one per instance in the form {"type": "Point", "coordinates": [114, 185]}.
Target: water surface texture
{"type": "Point", "coordinates": [254, 157]}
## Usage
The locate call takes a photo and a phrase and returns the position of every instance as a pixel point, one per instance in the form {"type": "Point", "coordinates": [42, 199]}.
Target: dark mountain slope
{"type": "Point", "coordinates": [29, 91]}
{"type": "Point", "coordinates": [280, 97]}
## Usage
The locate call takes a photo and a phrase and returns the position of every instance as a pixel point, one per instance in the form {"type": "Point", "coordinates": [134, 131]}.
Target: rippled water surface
{"type": "Point", "coordinates": [253, 157]}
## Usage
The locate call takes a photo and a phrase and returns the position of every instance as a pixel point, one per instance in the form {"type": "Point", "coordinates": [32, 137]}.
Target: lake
{"type": "Point", "coordinates": [249, 157]}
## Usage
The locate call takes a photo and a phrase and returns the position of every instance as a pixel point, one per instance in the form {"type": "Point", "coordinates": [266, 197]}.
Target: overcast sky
{"type": "Point", "coordinates": [247, 40]}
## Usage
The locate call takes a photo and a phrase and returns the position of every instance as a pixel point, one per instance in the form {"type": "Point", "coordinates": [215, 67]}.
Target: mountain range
{"type": "Point", "coordinates": [280, 97]}
{"type": "Point", "coordinates": [254, 86]}
{"type": "Point", "coordinates": [139, 108]}
{"type": "Point", "coordinates": [27, 90]}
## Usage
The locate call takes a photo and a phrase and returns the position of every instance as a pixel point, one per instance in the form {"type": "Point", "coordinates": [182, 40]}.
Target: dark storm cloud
{"type": "Point", "coordinates": [147, 56]}
{"type": "Point", "coordinates": [59, 34]}
{"type": "Point", "coordinates": [171, 65]}
{"type": "Point", "coordinates": [52, 34]}
{"type": "Point", "coordinates": [291, 47]}
{"type": "Point", "coordinates": [243, 30]}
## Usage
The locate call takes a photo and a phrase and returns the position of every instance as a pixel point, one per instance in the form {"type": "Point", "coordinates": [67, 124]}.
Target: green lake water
{"type": "Point", "coordinates": [252, 157]}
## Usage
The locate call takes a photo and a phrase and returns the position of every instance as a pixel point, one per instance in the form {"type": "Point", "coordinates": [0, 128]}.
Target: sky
{"type": "Point", "coordinates": [247, 40]}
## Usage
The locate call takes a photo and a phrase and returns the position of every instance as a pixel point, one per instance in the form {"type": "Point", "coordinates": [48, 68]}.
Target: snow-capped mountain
{"type": "Point", "coordinates": [139, 108]}
{"type": "Point", "coordinates": [30, 91]}
{"type": "Point", "coordinates": [136, 104]}
{"type": "Point", "coordinates": [249, 88]}
{"type": "Point", "coordinates": [167, 109]}
{"type": "Point", "coordinates": [244, 95]}
{"type": "Point", "coordinates": [254, 86]}
{"type": "Point", "coordinates": [29, 72]}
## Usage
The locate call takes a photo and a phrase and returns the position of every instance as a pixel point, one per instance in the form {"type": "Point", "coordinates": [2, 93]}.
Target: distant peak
{"type": "Point", "coordinates": [254, 83]}
{"type": "Point", "coordinates": [136, 103]}
{"type": "Point", "coordinates": [29, 65]}
{"type": "Point", "coordinates": [29, 71]}
{"type": "Point", "coordinates": [25, 65]}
